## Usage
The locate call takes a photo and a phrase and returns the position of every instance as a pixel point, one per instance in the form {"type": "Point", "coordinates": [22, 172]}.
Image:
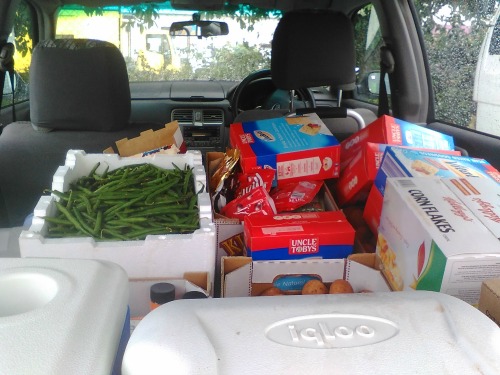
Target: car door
{"type": "Point", "coordinates": [436, 47]}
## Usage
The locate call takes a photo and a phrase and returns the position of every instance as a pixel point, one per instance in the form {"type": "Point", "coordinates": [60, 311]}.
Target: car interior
{"type": "Point", "coordinates": [80, 96]}
{"type": "Point", "coordinates": [348, 61]}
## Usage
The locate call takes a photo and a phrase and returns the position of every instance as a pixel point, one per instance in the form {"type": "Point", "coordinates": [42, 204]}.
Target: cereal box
{"type": "Point", "coordinates": [296, 147]}
{"type": "Point", "coordinates": [482, 197]}
{"type": "Point", "coordinates": [429, 240]}
{"type": "Point", "coordinates": [407, 162]}
{"type": "Point", "coordinates": [393, 131]}
{"type": "Point", "coordinates": [298, 235]}
{"type": "Point", "coordinates": [356, 179]}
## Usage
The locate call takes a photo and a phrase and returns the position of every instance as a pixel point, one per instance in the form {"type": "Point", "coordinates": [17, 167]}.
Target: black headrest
{"type": "Point", "coordinates": [79, 84]}
{"type": "Point", "coordinates": [313, 48]}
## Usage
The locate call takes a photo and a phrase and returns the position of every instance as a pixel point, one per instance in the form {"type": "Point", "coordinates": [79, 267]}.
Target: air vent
{"type": "Point", "coordinates": [184, 116]}
{"type": "Point", "coordinates": [198, 116]}
{"type": "Point", "coordinates": [213, 117]}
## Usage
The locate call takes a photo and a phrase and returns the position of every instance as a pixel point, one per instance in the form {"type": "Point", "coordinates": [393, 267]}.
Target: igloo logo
{"type": "Point", "coordinates": [329, 331]}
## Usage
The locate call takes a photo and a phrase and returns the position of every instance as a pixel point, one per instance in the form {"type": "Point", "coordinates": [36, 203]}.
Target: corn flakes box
{"type": "Point", "coordinates": [297, 147]}
{"type": "Point", "coordinates": [407, 162]}
{"type": "Point", "coordinates": [429, 240]}
{"type": "Point", "coordinates": [482, 197]}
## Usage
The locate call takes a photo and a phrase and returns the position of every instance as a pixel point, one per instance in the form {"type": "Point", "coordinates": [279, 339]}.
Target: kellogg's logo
{"type": "Point", "coordinates": [264, 136]}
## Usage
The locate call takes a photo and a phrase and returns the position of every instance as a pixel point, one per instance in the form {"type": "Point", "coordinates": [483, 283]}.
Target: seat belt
{"type": "Point", "coordinates": [386, 67]}
{"type": "Point", "coordinates": [7, 66]}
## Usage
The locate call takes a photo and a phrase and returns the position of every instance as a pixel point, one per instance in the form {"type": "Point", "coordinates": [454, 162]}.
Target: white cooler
{"type": "Point", "coordinates": [62, 316]}
{"type": "Point", "coordinates": [364, 333]}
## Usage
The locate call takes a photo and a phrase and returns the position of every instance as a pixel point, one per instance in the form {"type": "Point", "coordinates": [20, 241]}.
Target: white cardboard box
{"type": "Point", "coordinates": [429, 240]}
{"type": "Point", "coordinates": [481, 196]}
{"type": "Point", "coordinates": [241, 277]}
{"type": "Point", "coordinates": [169, 255]}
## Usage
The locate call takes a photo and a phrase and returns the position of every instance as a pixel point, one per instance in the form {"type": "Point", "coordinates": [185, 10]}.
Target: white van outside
{"type": "Point", "coordinates": [487, 81]}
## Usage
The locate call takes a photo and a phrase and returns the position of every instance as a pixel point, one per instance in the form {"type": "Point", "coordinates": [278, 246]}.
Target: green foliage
{"type": "Point", "coordinates": [246, 15]}
{"type": "Point", "coordinates": [233, 62]}
{"type": "Point", "coordinates": [23, 29]}
{"type": "Point", "coordinates": [453, 41]}
{"type": "Point", "coordinates": [144, 16]}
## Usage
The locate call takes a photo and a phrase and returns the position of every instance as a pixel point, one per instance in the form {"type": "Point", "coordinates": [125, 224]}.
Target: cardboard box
{"type": "Point", "coordinates": [298, 235]}
{"type": "Point", "coordinates": [393, 131]}
{"type": "Point", "coordinates": [229, 237]}
{"type": "Point", "coordinates": [242, 277]}
{"type": "Point", "coordinates": [298, 148]}
{"type": "Point", "coordinates": [429, 240]}
{"type": "Point", "coordinates": [407, 162]}
{"type": "Point", "coordinates": [356, 179]}
{"type": "Point", "coordinates": [489, 299]}
{"type": "Point", "coordinates": [168, 255]}
{"type": "Point", "coordinates": [481, 196]}
{"type": "Point", "coordinates": [150, 141]}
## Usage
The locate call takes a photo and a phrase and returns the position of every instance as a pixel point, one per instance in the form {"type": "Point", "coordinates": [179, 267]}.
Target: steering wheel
{"type": "Point", "coordinates": [276, 100]}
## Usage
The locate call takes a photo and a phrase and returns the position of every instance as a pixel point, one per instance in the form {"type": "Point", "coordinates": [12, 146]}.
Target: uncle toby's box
{"type": "Point", "coordinates": [298, 235]}
{"type": "Point", "coordinates": [297, 147]}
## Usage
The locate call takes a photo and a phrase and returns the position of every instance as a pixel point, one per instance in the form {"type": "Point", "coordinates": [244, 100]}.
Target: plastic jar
{"type": "Point", "coordinates": [161, 293]}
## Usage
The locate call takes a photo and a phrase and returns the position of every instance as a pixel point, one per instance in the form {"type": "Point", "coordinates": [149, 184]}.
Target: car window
{"type": "Point", "coordinates": [462, 42]}
{"type": "Point", "coordinates": [152, 54]}
{"type": "Point", "coordinates": [16, 87]}
{"type": "Point", "coordinates": [368, 41]}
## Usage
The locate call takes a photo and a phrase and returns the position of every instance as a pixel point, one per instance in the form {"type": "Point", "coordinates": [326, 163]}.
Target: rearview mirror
{"type": "Point", "coordinates": [200, 29]}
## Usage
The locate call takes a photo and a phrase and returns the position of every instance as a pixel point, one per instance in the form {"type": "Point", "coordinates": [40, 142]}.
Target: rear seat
{"type": "Point", "coordinates": [79, 99]}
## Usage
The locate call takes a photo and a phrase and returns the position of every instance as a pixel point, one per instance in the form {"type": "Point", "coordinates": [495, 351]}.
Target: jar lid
{"type": "Point", "coordinates": [194, 294]}
{"type": "Point", "coordinates": [162, 293]}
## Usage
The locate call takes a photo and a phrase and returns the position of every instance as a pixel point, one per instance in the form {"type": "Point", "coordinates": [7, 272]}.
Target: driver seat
{"type": "Point", "coordinates": [311, 49]}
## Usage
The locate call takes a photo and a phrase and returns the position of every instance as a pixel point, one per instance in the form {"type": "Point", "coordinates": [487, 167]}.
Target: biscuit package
{"type": "Point", "coordinates": [407, 162]}
{"type": "Point", "coordinates": [396, 132]}
{"type": "Point", "coordinates": [357, 177]}
{"type": "Point", "coordinates": [429, 240]}
{"type": "Point", "coordinates": [297, 147]}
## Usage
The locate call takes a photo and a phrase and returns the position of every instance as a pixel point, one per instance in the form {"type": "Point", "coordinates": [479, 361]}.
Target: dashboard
{"type": "Point", "coordinates": [204, 109]}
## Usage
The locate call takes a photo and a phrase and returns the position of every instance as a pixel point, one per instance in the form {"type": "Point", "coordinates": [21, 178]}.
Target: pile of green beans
{"type": "Point", "coordinates": [127, 203]}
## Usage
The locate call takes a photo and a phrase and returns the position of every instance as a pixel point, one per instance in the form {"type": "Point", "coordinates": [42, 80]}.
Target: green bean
{"type": "Point", "coordinates": [129, 202]}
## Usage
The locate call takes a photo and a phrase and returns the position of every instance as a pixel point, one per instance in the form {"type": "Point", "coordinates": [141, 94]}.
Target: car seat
{"type": "Point", "coordinates": [312, 49]}
{"type": "Point", "coordinates": [79, 99]}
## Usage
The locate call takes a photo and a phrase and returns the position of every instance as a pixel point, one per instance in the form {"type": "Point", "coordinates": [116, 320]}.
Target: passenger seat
{"type": "Point", "coordinates": [79, 99]}
{"type": "Point", "coordinates": [310, 49]}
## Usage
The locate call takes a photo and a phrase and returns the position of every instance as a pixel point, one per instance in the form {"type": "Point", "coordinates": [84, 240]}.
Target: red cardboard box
{"type": "Point", "coordinates": [357, 178]}
{"type": "Point", "coordinates": [297, 147]}
{"type": "Point", "coordinates": [392, 131]}
{"type": "Point", "coordinates": [326, 235]}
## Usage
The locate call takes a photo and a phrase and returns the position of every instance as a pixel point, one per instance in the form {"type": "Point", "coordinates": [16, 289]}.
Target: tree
{"type": "Point", "coordinates": [454, 32]}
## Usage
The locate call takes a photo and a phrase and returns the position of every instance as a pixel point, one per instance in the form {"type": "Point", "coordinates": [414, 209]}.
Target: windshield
{"type": "Point", "coordinates": [143, 35]}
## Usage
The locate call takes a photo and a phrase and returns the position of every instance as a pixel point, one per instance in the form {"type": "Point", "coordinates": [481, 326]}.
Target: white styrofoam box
{"type": "Point", "coordinates": [168, 255]}
{"type": "Point", "coordinates": [386, 333]}
{"type": "Point", "coordinates": [60, 316]}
